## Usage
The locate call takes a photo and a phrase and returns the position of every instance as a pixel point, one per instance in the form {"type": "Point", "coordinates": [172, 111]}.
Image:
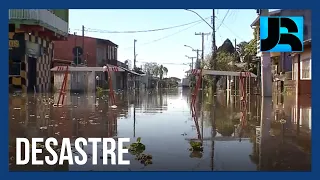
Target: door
{"type": "Point", "coordinates": [32, 74]}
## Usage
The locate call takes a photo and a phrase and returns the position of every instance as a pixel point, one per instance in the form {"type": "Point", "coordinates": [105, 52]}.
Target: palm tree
{"type": "Point", "coordinates": [160, 71]}
{"type": "Point", "coordinates": [241, 50]}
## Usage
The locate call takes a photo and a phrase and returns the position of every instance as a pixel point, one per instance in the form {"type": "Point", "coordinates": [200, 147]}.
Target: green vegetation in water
{"type": "Point", "coordinates": [196, 146]}
{"type": "Point", "coordinates": [101, 92]}
{"type": "Point", "coordinates": [196, 149]}
{"type": "Point", "coordinates": [137, 149]}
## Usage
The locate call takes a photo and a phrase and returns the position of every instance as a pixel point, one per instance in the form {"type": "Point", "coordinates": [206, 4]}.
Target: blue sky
{"type": "Point", "coordinates": [169, 50]}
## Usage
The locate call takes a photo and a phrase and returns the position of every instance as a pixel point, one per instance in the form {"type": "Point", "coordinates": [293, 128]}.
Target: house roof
{"type": "Point", "coordinates": [271, 13]}
{"type": "Point", "coordinates": [99, 40]}
{"type": "Point", "coordinates": [106, 41]}
{"type": "Point", "coordinates": [305, 43]}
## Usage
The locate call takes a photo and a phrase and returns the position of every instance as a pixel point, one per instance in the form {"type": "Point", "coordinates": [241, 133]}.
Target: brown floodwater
{"type": "Point", "coordinates": [265, 134]}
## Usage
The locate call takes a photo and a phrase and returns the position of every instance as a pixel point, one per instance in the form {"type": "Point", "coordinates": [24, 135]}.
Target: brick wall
{"type": "Point", "coordinates": [63, 49]}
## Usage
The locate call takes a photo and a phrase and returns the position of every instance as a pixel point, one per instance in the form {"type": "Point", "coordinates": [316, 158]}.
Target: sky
{"type": "Point", "coordinates": [164, 47]}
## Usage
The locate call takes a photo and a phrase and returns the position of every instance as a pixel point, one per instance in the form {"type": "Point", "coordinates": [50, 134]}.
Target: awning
{"type": "Point", "coordinates": [222, 73]}
{"type": "Point", "coordinates": [132, 72]}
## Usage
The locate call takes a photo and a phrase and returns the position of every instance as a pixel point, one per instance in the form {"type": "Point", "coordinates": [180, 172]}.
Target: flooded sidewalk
{"type": "Point", "coordinates": [266, 135]}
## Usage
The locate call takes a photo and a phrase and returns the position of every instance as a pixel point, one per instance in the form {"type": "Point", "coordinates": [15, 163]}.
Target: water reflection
{"type": "Point", "coordinates": [262, 134]}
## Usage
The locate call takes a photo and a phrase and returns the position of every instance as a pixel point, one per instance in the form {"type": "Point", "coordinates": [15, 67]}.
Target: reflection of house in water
{"type": "Point", "coordinates": [284, 142]}
{"type": "Point", "coordinates": [85, 116]}
{"type": "Point", "coordinates": [151, 102]}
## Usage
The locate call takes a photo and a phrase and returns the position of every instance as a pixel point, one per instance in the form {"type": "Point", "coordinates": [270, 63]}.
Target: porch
{"type": "Point", "coordinates": [41, 17]}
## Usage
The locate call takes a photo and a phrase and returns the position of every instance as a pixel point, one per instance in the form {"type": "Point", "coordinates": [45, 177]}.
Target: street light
{"type": "Point", "coordinates": [189, 47]}
{"type": "Point", "coordinates": [200, 17]}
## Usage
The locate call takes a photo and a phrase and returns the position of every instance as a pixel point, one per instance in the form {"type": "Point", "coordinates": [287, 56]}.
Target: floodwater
{"type": "Point", "coordinates": [269, 134]}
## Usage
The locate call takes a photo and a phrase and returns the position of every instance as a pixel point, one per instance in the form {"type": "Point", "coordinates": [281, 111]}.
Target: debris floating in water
{"type": "Point", "coordinates": [114, 106]}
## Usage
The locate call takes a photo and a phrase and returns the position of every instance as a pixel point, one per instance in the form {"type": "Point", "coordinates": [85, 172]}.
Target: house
{"type": "Point", "coordinates": [31, 33]}
{"type": "Point", "coordinates": [96, 53]}
{"type": "Point", "coordinates": [301, 70]}
{"type": "Point", "coordinates": [281, 63]}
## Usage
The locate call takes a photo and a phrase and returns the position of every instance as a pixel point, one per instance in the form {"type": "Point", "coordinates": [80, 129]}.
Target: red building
{"type": "Point", "coordinates": [96, 53]}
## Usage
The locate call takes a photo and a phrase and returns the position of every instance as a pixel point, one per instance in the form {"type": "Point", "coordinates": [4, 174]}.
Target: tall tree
{"type": "Point", "coordinates": [161, 71]}
{"type": "Point", "coordinates": [241, 50]}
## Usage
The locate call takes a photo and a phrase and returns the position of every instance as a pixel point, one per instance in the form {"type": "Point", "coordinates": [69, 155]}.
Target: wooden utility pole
{"type": "Point", "coordinates": [197, 59]}
{"type": "Point", "coordinates": [213, 63]}
{"type": "Point", "coordinates": [214, 49]}
{"type": "Point", "coordinates": [266, 81]}
{"type": "Point", "coordinates": [134, 62]}
{"type": "Point", "coordinates": [235, 49]}
{"type": "Point", "coordinates": [202, 58]}
{"type": "Point", "coordinates": [82, 37]}
{"type": "Point", "coordinates": [202, 44]}
{"type": "Point", "coordinates": [191, 65]}
{"type": "Point", "coordinates": [134, 54]}
{"type": "Point", "coordinates": [83, 54]}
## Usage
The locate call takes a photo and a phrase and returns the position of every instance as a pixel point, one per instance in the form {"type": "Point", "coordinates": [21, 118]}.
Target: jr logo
{"type": "Point", "coordinates": [281, 34]}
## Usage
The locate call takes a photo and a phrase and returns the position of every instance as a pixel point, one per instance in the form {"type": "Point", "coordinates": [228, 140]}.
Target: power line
{"type": "Point", "coordinates": [156, 40]}
{"type": "Point", "coordinates": [179, 64]}
{"type": "Point", "coordinates": [233, 32]}
{"type": "Point", "coordinates": [140, 31]}
{"type": "Point", "coordinates": [223, 19]}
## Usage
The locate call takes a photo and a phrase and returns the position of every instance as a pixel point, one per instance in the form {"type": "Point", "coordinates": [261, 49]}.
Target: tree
{"type": "Point", "coordinates": [226, 46]}
{"type": "Point", "coordinates": [149, 69]}
{"type": "Point", "coordinates": [214, 61]}
{"type": "Point", "coordinates": [156, 71]}
{"type": "Point", "coordinates": [251, 51]}
{"type": "Point", "coordinates": [161, 71]}
{"type": "Point", "coordinates": [241, 50]}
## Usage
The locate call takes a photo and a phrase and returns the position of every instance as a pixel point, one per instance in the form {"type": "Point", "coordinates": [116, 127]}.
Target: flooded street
{"type": "Point", "coordinates": [269, 134]}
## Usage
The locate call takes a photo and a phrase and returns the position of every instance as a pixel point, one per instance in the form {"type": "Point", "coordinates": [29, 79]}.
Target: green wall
{"type": "Point", "coordinates": [62, 13]}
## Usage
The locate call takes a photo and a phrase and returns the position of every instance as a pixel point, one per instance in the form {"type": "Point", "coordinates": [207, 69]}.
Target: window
{"type": "Point", "coordinates": [112, 53]}
{"type": "Point", "coordinates": [305, 30]}
{"type": "Point", "coordinates": [305, 117]}
{"type": "Point", "coordinates": [295, 71]}
{"type": "Point", "coordinates": [115, 53]}
{"type": "Point", "coordinates": [305, 69]}
{"type": "Point", "coordinates": [109, 53]}
{"type": "Point", "coordinates": [14, 68]}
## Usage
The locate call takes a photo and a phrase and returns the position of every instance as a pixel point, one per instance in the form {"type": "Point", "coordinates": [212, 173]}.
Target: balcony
{"type": "Point", "coordinates": [42, 17]}
{"type": "Point", "coordinates": [258, 48]}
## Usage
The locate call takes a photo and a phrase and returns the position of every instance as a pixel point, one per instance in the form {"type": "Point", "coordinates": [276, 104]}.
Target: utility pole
{"type": "Point", "coordinates": [192, 62]}
{"type": "Point", "coordinates": [202, 44]}
{"type": "Point", "coordinates": [75, 44]}
{"type": "Point", "coordinates": [197, 60]}
{"type": "Point", "coordinates": [235, 47]}
{"type": "Point", "coordinates": [266, 81]}
{"type": "Point", "coordinates": [134, 54]}
{"type": "Point", "coordinates": [134, 86]}
{"type": "Point", "coordinates": [134, 62]}
{"type": "Point", "coordinates": [83, 40]}
{"type": "Point", "coordinates": [191, 66]}
{"type": "Point", "coordinates": [202, 58]}
{"type": "Point", "coordinates": [214, 49]}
